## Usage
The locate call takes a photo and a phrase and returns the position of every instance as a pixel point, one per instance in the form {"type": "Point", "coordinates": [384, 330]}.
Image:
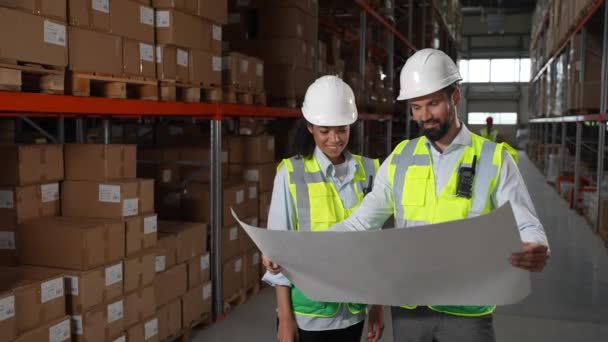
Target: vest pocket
{"type": "Point", "coordinates": [414, 189]}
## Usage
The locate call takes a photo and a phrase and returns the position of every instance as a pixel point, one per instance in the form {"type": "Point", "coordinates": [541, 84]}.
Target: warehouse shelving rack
{"type": "Point", "coordinates": [29, 107]}
{"type": "Point", "coordinates": [545, 130]}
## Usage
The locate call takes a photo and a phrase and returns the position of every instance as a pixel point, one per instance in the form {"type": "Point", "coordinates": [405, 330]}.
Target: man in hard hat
{"type": "Point", "coordinates": [489, 132]}
{"type": "Point", "coordinates": [447, 174]}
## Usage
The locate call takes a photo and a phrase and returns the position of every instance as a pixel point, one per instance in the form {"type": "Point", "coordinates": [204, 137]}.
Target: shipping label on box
{"type": "Point", "coordinates": [163, 19]}
{"type": "Point", "coordinates": [204, 262]}
{"type": "Point", "coordinates": [72, 285]}
{"type": "Point", "coordinates": [7, 199]}
{"type": "Point", "coordinates": [77, 326]}
{"type": "Point", "coordinates": [7, 308]}
{"type": "Point", "coordinates": [49, 192]}
{"type": "Point", "coordinates": [51, 289]}
{"type": "Point", "coordinates": [101, 5]}
{"type": "Point", "coordinates": [150, 225]}
{"type": "Point", "coordinates": [130, 207]}
{"type": "Point", "coordinates": [60, 332]}
{"type": "Point", "coordinates": [151, 329]}
{"type": "Point", "coordinates": [115, 311]}
{"type": "Point", "coordinates": [207, 291]}
{"type": "Point", "coordinates": [7, 241]}
{"type": "Point", "coordinates": [109, 193]}
{"type": "Point", "coordinates": [114, 274]}
{"type": "Point", "coordinates": [121, 339]}
{"type": "Point", "coordinates": [160, 264]}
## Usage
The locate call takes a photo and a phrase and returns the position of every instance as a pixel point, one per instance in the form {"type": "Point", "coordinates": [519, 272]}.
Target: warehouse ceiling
{"type": "Point", "coordinates": [474, 7]}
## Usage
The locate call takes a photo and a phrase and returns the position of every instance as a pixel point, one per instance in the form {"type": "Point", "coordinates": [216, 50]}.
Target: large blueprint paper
{"type": "Point", "coordinates": [456, 263]}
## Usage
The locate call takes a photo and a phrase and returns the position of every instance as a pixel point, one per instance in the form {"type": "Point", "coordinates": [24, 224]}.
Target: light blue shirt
{"type": "Point", "coordinates": [282, 217]}
{"type": "Point", "coordinates": [378, 205]}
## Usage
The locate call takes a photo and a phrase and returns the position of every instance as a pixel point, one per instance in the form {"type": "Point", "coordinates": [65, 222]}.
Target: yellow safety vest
{"type": "Point", "coordinates": [492, 135]}
{"type": "Point", "coordinates": [410, 173]}
{"type": "Point", "coordinates": [318, 207]}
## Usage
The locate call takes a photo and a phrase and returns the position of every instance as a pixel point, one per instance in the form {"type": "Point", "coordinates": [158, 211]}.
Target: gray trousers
{"type": "Point", "coordinates": [425, 325]}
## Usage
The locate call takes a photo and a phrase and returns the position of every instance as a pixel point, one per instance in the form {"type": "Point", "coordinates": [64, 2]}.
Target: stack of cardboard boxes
{"type": "Point", "coordinates": [189, 38]}
{"type": "Point", "coordinates": [112, 37]}
{"type": "Point", "coordinates": [182, 286]}
{"type": "Point", "coordinates": [32, 299]}
{"type": "Point", "coordinates": [243, 72]}
{"type": "Point", "coordinates": [42, 37]}
{"type": "Point", "coordinates": [284, 34]}
{"type": "Point", "coordinates": [110, 214]}
{"type": "Point", "coordinates": [584, 73]}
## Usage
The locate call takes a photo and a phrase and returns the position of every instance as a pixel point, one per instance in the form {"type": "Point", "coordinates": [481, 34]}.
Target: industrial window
{"type": "Point", "coordinates": [504, 118]}
{"type": "Point", "coordinates": [499, 70]}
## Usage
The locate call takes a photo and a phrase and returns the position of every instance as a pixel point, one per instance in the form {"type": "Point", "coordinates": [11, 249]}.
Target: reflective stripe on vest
{"type": "Point", "coordinates": [304, 174]}
{"type": "Point", "coordinates": [490, 136]}
{"type": "Point", "coordinates": [425, 207]}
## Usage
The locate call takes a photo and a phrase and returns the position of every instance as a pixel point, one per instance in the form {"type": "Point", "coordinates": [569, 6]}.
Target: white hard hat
{"type": "Point", "coordinates": [329, 101]}
{"type": "Point", "coordinates": [425, 72]}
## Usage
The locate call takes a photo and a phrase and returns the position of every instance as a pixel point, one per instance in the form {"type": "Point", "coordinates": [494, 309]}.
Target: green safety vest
{"type": "Point", "coordinates": [410, 173]}
{"type": "Point", "coordinates": [492, 135]}
{"type": "Point", "coordinates": [318, 207]}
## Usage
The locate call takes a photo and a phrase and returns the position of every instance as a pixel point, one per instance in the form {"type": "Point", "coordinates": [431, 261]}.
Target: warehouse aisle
{"type": "Point", "coordinates": [569, 300]}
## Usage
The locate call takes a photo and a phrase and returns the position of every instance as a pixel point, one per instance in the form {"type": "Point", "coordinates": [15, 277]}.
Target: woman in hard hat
{"type": "Point", "coordinates": [313, 190]}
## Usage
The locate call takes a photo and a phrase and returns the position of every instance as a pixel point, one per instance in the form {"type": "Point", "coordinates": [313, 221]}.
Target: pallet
{"type": "Point", "coordinates": [31, 77]}
{"type": "Point", "coordinates": [241, 297]}
{"type": "Point", "coordinates": [171, 90]}
{"type": "Point", "coordinates": [92, 84]}
{"type": "Point", "coordinates": [185, 334]}
{"type": "Point", "coordinates": [242, 96]}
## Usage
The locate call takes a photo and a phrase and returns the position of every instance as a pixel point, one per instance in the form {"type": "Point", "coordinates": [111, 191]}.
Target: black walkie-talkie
{"type": "Point", "coordinates": [466, 175]}
{"type": "Point", "coordinates": [369, 186]}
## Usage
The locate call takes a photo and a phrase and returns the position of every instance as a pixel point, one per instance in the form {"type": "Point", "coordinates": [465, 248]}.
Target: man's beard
{"type": "Point", "coordinates": [435, 133]}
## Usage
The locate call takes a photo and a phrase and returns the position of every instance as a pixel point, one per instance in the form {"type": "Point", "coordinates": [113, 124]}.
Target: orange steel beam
{"type": "Point", "coordinates": [367, 8]}
{"type": "Point", "coordinates": [592, 10]}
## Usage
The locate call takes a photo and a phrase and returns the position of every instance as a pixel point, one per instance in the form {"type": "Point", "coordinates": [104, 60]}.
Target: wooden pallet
{"type": "Point", "coordinates": [171, 90]}
{"type": "Point", "coordinates": [241, 297]}
{"type": "Point", "coordinates": [242, 96]}
{"type": "Point", "coordinates": [185, 334]}
{"type": "Point", "coordinates": [31, 77]}
{"type": "Point", "coordinates": [109, 86]}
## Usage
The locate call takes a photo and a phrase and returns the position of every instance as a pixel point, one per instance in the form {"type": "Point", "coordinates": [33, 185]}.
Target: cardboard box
{"type": "Point", "coordinates": [162, 173]}
{"type": "Point", "coordinates": [180, 29]}
{"type": "Point", "coordinates": [258, 74]}
{"type": "Point", "coordinates": [232, 277]}
{"type": "Point", "coordinates": [172, 63]}
{"type": "Point", "coordinates": [236, 71]}
{"type": "Point", "coordinates": [8, 254]}
{"type": "Point", "coordinates": [187, 6]}
{"type": "Point", "coordinates": [98, 162]}
{"type": "Point", "coordinates": [95, 52]}
{"type": "Point", "coordinates": [87, 289]}
{"type": "Point", "coordinates": [251, 274]}
{"type": "Point", "coordinates": [308, 6]}
{"type": "Point", "coordinates": [259, 149]}
{"type": "Point", "coordinates": [7, 131]}
{"type": "Point", "coordinates": [169, 319]}
{"type": "Point", "coordinates": [104, 322]}
{"type": "Point", "coordinates": [132, 20]}
{"type": "Point", "coordinates": [287, 82]}
{"type": "Point", "coordinates": [198, 270]}
{"type": "Point", "coordinates": [58, 330]}
{"type": "Point", "coordinates": [48, 9]}
{"type": "Point", "coordinates": [263, 174]}
{"type": "Point", "coordinates": [40, 40]}
{"type": "Point", "coordinates": [145, 331]}
{"type": "Point", "coordinates": [26, 203]}
{"type": "Point", "coordinates": [205, 68]}
{"type": "Point", "coordinates": [71, 243]}
{"type": "Point", "coordinates": [245, 242]}
{"type": "Point", "coordinates": [214, 10]}
{"type": "Point", "coordinates": [196, 303]}
{"type": "Point", "coordinates": [138, 59]}
{"type": "Point", "coordinates": [190, 237]}
{"type": "Point", "coordinates": [166, 252]}
{"type": "Point", "coordinates": [236, 148]}
{"type": "Point", "coordinates": [196, 202]}
{"type": "Point", "coordinates": [139, 270]}
{"type": "Point", "coordinates": [139, 305]}
{"type": "Point", "coordinates": [241, 26]}
{"type": "Point", "coordinates": [170, 284]}
{"type": "Point", "coordinates": [8, 321]}
{"type": "Point", "coordinates": [31, 164]}
{"type": "Point", "coordinates": [249, 208]}
{"type": "Point", "coordinates": [111, 199]}
{"type": "Point", "coordinates": [285, 22]}
{"type": "Point", "coordinates": [231, 245]}
{"type": "Point", "coordinates": [39, 294]}
{"type": "Point", "coordinates": [141, 233]}
{"type": "Point", "coordinates": [92, 15]}
{"type": "Point", "coordinates": [216, 40]}
{"type": "Point", "coordinates": [291, 52]}
{"type": "Point", "coordinates": [264, 199]}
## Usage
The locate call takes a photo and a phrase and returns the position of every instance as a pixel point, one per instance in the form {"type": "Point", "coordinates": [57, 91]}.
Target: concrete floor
{"type": "Point", "coordinates": [569, 301]}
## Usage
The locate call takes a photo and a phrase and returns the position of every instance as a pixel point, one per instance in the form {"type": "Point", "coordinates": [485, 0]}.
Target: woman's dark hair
{"type": "Point", "coordinates": [304, 142]}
